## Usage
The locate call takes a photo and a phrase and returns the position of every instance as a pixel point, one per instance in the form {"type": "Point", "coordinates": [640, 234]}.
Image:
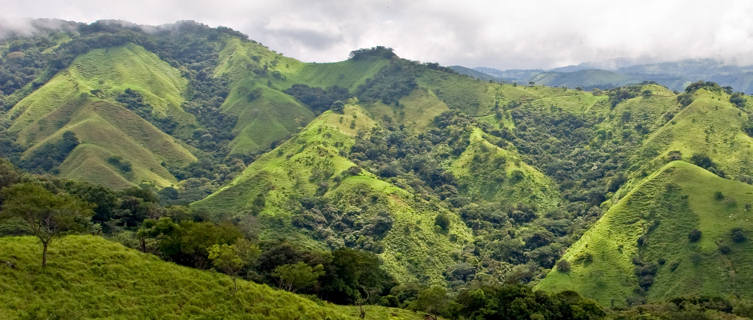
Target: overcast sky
{"type": "Point", "coordinates": [501, 34]}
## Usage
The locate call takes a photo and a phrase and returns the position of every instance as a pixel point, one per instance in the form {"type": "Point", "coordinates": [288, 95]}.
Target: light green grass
{"type": "Point", "coordinates": [90, 277]}
{"type": "Point", "coordinates": [348, 74]}
{"type": "Point", "coordinates": [269, 118]}
{"type": "Point", "coordinates": [414, 248]}
{"type": "Point", "coordinates": [710, 125]}
{"type": "Point", "coordinates": [69, 102]}
{"type": "Point", "coordinates": [686, 205]}
{"type": "Point", "coordinates": [485, 173]}
{"type": "Point", "coordinates": [416, 111]}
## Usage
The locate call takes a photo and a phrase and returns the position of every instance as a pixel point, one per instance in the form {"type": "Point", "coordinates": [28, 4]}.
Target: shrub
{"type": "Point", "coordinates": [738, 235]}
{"type": "Point", "coordinates": [702, 161]}
{"type": "Point", "coordinates": [738, 99]}
{"type": "Point", "coordinates": [563, 266]}
{"type": "Point", "coordinates": [694, 235]}
{"type": "Point", "coordinates": [442, 221]}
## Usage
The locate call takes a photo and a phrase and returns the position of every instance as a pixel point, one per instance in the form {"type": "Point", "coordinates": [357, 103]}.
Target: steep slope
{"type": "Point", "coordinates": [641, 249]}
{"type": "Point", "coordinates": [709, 125]}
{"type": "Point", "coordinates": [355, 207]}
{"type": "Point", "coordinates": [258, 77]}
{"type": "Point", "coordinates": [90, 277]}
{"type": "Point", "coordinates": [84, 99]}
{"type": "Point", "coordinates": [486, 172]}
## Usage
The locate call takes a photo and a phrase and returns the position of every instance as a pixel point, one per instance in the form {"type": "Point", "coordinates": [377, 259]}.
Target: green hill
{"type": "Point", "coordinates": [90, 277]}
{"type": "Point", "coordinates": [258, 77]}
{"type": "Point", "coordinates": [275, 188]}
{"type": "Point", "coordinates": [83, 99]}
{"type": "Point", "coordinates": [450, 180]}
{"type": "Point", "coordinates": [641, 245]}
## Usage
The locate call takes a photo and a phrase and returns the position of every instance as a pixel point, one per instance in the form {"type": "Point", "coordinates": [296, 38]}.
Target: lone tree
{"type": "Point", "coordinates": [44, 214]}
{"type": "Point", "coordinates": [298, 276]}
{"type": "Point", "coordinates": [231, 259]}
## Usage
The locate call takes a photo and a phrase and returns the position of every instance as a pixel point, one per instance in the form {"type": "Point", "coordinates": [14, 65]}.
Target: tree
{"type": "Point", "coordinates": [702, 160]}
{"type": "Point", "coordinates": [352, 275]}
{"type": "Point", "coordinates": [44, 214]}
{"type": "Point", "coordinates": [433, 300]}
{"type": "Point", "coordinates": [298, 276]}
{"type": "Point", "coordinates": [231, 259]}
{"type": "Point", "coordinates": [442, 221]}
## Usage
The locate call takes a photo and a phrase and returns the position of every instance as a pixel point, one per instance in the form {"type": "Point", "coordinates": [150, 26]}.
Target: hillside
{"type": "Point", "coordinates": [90, 277]}
{"type": "Point", "coordinates": [83, 99]}
{"type": "Point", "coordinates": [450, 180]}
{"type": "Point", "coordinates": [641, 247]}
{"type": "Point", "coordinates": [381, 216]}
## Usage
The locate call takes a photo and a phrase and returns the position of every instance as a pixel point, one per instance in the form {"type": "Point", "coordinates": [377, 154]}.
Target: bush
{"type": "Point", "coordinates": [738, 235]}
{"type": "Point", "coordinates": [694, 235]}
{"type": "Point", "coordinates": [442, 221]}
{"type": "Point", "coordinates": [702, 161]}
{"type": "Point", "coordinates": [563, 266]}
{"type": "Point", "coordinates": [738, 99]}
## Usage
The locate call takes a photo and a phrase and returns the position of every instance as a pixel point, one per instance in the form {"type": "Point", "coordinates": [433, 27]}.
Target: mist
{"type": "Point", "coordinates": [532, 34]}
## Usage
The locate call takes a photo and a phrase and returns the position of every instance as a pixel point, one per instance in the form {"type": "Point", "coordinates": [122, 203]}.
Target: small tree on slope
{"type": "Point", "coordinates": [231, 259]}
{"type": "Point", "coordinates": [44, 214]}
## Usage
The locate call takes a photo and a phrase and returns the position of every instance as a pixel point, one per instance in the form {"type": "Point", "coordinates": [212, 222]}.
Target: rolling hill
{"type": "Point", "coordinates": [90, 277]}
{"type": "Point", "coordinates": [640, 248]}
{"type": "Point", "coordinates": [452, 181]}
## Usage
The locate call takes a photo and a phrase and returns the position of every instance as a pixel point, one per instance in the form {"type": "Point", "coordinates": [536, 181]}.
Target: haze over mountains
{"type": "Point", "coordinates": [372, 180]}
{"type": "Point", "coordinates": [619, 72]}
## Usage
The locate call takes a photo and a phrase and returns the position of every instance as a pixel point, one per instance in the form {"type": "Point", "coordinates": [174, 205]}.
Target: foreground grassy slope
{"type": "Point", "coordinates": [661, 212]}
{"type": "Point", "coordinates": [82, 99]}
{"type": "Point", "coordinates": [90, 277]}
{"type": "Point", "coordinates": [311, 165]}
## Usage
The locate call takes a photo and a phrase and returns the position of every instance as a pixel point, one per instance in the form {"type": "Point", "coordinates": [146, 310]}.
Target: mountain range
{"type": "Point", "coordinates": [638, 192]}
{"type": "Point", "coordinates": [675, 75]}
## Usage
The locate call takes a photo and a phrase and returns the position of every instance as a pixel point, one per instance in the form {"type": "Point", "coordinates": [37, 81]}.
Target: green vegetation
{"type": "Point", "coordinates": [382, 180]}
{"type": "Point", "coordinates": [89, 277]}
{"type": "Point", "coordinates": [670, 230]}
{"type": "Point", "coordinates": [42, 213]}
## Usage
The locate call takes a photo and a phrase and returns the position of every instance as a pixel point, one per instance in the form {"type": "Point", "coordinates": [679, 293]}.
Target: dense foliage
{"type": "Point", "coordinates": [318, 99]}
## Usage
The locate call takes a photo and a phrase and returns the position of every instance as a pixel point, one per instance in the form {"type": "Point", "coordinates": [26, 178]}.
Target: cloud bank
{"type": "Point", "coordinates": [502, 34]}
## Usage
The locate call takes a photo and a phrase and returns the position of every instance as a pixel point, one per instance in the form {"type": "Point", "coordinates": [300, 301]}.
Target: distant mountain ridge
{"type": "Point", "coordinates": [675, 75]}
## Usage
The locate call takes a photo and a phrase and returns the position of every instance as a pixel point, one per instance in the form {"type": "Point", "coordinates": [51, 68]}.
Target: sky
{"type": "Point", "coordinates": [501, 34]}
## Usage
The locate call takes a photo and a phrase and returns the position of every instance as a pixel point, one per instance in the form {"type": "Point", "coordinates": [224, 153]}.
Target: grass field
{"type": "Point", "coordinates": [90, 277]}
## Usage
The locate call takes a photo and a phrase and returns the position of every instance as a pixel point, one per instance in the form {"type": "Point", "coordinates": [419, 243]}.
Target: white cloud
{"type": "Point", "coordinates": [504, 34]}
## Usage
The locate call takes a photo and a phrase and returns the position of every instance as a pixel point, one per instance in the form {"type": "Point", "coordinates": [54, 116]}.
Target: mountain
{"type": "Point", "coordinates": [610, 74]}
{"type": "Point", "coordinates": [474, 73]}
{"type": "Point", "coordinates": [641, 248]}
{"type": "Point", "coordinates": [451, 181]}
{"type": "Point", "coordinates": [94, 277]}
